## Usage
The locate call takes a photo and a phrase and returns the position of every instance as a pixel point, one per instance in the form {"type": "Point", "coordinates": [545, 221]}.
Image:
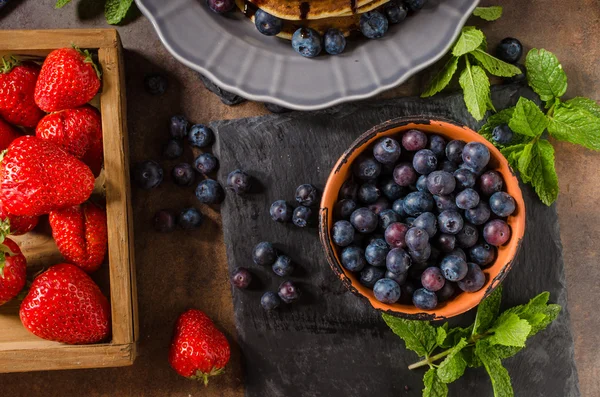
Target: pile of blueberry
{"type": "Point", "coordinates": [307, 196]}
{"type": "Point", "coordinates": [421, 217]}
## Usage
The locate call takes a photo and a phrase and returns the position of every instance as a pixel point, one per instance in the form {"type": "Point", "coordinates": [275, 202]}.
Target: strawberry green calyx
{"type": "Point", "coordinates": [88, 59]}
{"type": "Point", "coordinates": [4, 230]}
{"type": "Point", "coordinates": [8, 63]}
{"type": "Point", "coordinates": [203, 376]}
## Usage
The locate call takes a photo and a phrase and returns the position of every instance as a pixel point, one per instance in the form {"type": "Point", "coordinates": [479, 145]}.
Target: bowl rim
{"type": "Point", "coordinates": [362, 142]}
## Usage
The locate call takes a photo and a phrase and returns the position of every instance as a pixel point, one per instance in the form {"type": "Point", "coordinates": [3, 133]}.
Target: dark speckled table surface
{"type": "Point", "coordinates": [177, 272]}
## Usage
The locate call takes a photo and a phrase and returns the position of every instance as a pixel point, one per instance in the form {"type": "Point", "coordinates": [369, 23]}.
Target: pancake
{"type": "Point", "coordinates": [295, 10]}
{"type": "Point", "coordinates": [368, 7]}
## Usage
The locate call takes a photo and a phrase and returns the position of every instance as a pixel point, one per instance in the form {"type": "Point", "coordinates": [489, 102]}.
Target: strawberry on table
{"type": "Point", "coordinates": [68, 79]}
{"type": "Point", "coordinates": [199, 350]}
{"type": "Point", "coordinates": [37, 177]}
{"type": "Point", "coordinates": [65, 305]}
{"type": "Point", "coordinates": [13, 267]}
{"type": "Point", "coordinates": [81, 234]}
{"type": "Point", "coordinates": [17, 88]}
{"type": "Point", "coordinates": [7, 134]}
{"type": "Point", "coordinates": [79, 131]}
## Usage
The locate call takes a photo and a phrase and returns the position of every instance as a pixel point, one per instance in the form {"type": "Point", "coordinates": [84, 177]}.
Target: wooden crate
{"type": "Point", "coordinates": [20, 350]}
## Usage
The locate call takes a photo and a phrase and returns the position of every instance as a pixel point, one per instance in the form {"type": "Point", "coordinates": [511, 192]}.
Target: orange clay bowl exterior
{"type": "Point", "coordinates": [449, 130]}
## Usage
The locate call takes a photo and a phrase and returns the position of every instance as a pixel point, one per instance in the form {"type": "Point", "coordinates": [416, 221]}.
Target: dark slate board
{"type": "Point", "coordinates": [333, 343]}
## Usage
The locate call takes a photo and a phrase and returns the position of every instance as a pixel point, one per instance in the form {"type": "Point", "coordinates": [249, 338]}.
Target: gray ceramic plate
{"type": "Point", "coordinates": [231, 52]}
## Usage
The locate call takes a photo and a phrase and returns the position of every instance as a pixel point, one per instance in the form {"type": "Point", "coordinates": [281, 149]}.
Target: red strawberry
{"type": "Point", "coordinates": [65, 305]}
{"type": "Point", "coordinates": [79, 131]}
{"type": "Point", "coordinates": [81, 235]}
{"type": "Point", "coordinates": [69, 79]}
{"type": "Point", "coordinates": [7, 134]}
{"type": "Point", "coordinates": [37, 177]}
{"type": "Point", "coordinates": [18, 224]}
{"type": "Point", "coordinates": [199, 350]}
{"type": "Point", "coordinates": [13, 268]}
{"type": "Point", "coordinates": [17, 87]}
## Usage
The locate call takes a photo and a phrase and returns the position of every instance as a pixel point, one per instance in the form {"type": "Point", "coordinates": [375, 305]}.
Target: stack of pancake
{"type": "Point", "coordinates": [319, 15]}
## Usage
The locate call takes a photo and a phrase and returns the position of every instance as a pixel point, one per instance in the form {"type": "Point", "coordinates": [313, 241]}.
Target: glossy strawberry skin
{"type": "Point", "coordinates": [67, 80]}
{"type": "Point", "coordinates": [13, 274]}
{"type": "Point", "coordinates": [79, 131]}
{"type": "Point", "coordinates": [7, 134]}
{"type": "Point", "coordinates": [18, 224]}
{"type": "Point", "coordinates": [17, 87]}
{"type": "Point", "coordinates": [81, 235]}
{"type": "Point", "coordinates": [198, 349]}
{"type": "Point", "coordinates": [65, 305]}
{"type": "Point", "coordinates": [37, 177]}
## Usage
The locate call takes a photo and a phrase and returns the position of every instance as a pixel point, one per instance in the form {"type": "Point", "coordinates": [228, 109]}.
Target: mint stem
{"type": "Point", "coordinates": [430, 360]}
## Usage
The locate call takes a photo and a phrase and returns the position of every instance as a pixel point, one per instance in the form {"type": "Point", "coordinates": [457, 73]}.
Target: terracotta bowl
{"type": "Point", "coordinates": [449, 130]}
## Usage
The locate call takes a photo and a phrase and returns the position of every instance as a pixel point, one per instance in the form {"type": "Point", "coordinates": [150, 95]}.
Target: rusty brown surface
{"type": "Point", "coordinates": [189, 270]}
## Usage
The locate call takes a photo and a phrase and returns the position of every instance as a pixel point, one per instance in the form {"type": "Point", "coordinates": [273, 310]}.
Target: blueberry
{"type": "Point", "coordinates": [376, 252]}
{"type": "Point", "coordinates": [270, 300]}
{"type": "Point", "coordinates": [283, 266]}
{"type": "Point", "coordinates": [408, 289]}
{"type": "Point", "coordinates": [353, 258]}
{"type": "Point", "coordinates": [424, 299]}
{"type": "Point", "coordinates": [509, 50]}
{"type": "Point", "coordinates": [435, 255]}
{"type": "Point", "coordinates": [425, 162]}
{"type": "Point", "coordinates": [454, 150]}
{"type": "Point", "coordinates": [387, 217]}
{"type": "Point", "coordinates": [502, 204]}
{"type": "Point", "coordinates": [440, 182]}
{"type": "Point", "coordinates": [364, 220]}
{"type": "Point", "coordinates": [206, 163]}
{"type": "Point", "coordinates": [502, 134]}
{"type": "Point", "coordinates": [307, 42]}
{"type": "Point", "coordinates": [302, 216]}
{"type": "Point", "coordinates": [398, 207]}
{"type": "Point", "coordinates": [289, 292]}
{"type": "Point", "coordinates": [334, 42]}
{"type": "Point", "coordinates": [239, 182]}
{"type": "Point", "coordinates": [391, 189]}
{"type": "Point", "coordinates": [342, 233]}
{"type": "Point", "coordinates": [156, 84]}
{"type": "Point", "coordinates": [468, 236]}
{"type": "Point", "coordinates": [490, 182]}
{"type": "Point", "coordinates": [307, 195]}
{"type": "Point", "coordinates": [467, 199]}
{"type": "Point", "coordinates": [148, 174]}
{"type": "Point", "coordinates": [201, 136]}
{"type": "Point", "coordinates": [183, 174]}
{"type": "Point", "coordinates": [450, 222]}
{"type": "Point", "coordinates": [446, 292]}
{"type": "Point", "coordinates": [400, 278]}
{"type": "Point", "coordinates": [189, 218]}
{"type": "Point", "coordinates": [420, 256]}
{"type": "Point", "coordinates": [264, 254]}
{"type": "Point", "coordinates": [454, 268]}
{"type": "Point", "coordinates": [366, 168]}
{"type": "Point", "coordinates": [437, 145]}
{"type": "Point", "coordinates": [445, 242]}
{"type": "Point", "coordinates": [518, 78]}
{"type": "Point", "coordinates": [164, 221]}
{"type": "Point", "coordinates": [344, 208]}
{"type": "Point", "coordinates": [370, 275]}
{"type": "Point", "coordinates": [373, 24]}
{"type": "Point", "coordinates": [474, 280]}
{"type": "Point", "coordinates": [267, 24]}
{"type": "Point", "coordinates": [416, 203]}
{"type": "Point", "coordinates": [409, 221]}
{"type": "Point", "coordinates": [448, 166]}
{"type": "Point", "coordinates": [415, 5]}
{"type": "Point", "coordinates": [349, 190]}
{"type": "Point", "coordinates": [368, 193]}
{"type": "Point", "coordinates": [387, 151]}
{"type": "Point", "coordinates": [405, 174]}
{"type": "Point", "coordinates": [395, 13]}
{"type": "Point", "coordinates": [173, 149]}
{"type": "Point", "coordinates": [281, 211]}
{"type": "Point", "coordinates": [417, 239]}
{"type": "Point", "coordinates": [459, 252]}
{"type": "Point", "coordinates": [478, 215]}
{"type": "Point", "coordinates": [414, 140]}
{"type": "Point", "coordinates": [395, 235]}
{"type": "Point", "coordinates": [387, 291]}
{"type": "Point", "coordinates": [482, 254]}
{"type": "Point", "coordinates": [178, 127]}
{"type": "Point", "coordinates": [210, 192]}
{"type": "Point", "coordinates": [473, 170]}
{"type": "Point", "coordinates": [421, 184]}
{"type": "Point", "coordinates": [221, 6]}
{"type": "Point", "coordinates": [476, 156]}
{"type": "Point", "coordinates": [380, 205]}
{"type": "Point", "coordinates": [496, 232]}
{"type": "Point", "coordinates": [433, 279]}
{"type": "Point", "coordinates": [241, 278]}
{"type": "Point", "coordinates": [444, 203]}
{"type": "Point", "coordinates": [465, 178]}
{"type": "Point", "coordinates": [398, 261]}
{"type": "Point", "coordinates": [428, 222]}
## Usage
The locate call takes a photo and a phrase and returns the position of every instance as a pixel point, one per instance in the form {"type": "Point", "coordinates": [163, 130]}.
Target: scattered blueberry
{"type": "Point", "coordinates": [467, 199]}
{"type": "Point", "coordinates": [210, 192]}
{"type": "Point", "coordinates": [474, 280]}
{"type": "Point", "coordinates": [302, 216]}
{"type": "Point", "coordinates": [440, 182]}
{"type": "Point", "coordinates": [283, 266]}
{"type": "Point", "coordinates": [414, 140]}
{"type": "Point", "coordinates": [454, 150]}
{"type": "Point", "coordinates": [267, 24]}
{"type": "Point", "coordinates": [482, 254]}
{"type": "Point", "coordinates": [164, 221]}
{"type": "Point", "coordinates": [264, 254]}
{"type": "Point", "coordinates": [398, 261]}
{"type": "Point", "coordinates": [183, 174]}
{"type": "Point", "coordinates": [490, 182]}
{"type": "Point", "coordinates": [189, 218]}
{"type": "Point", "coordinates": [281, 211]}
{"type": "Point", "coordinates": [173, 149]}
{"type": "Point", "coordinates": [367, 168]}
{"type": "Point", "coordinates": [221, 6]}
{"type": "Point", "coordinates": [364, 220]}
{"type": "Point", "coordinates": [395, 235]}
{"type": "Point", "coordinates": [289, 292]}
{"type": "Point", "coordinates": [468, 236]}
{"type": "Point", "coordinates": [496, 232]}
{"type": "Point", "coordinates": [201, 136]}
{"type": "Point", "coordinates": [416, 203]}
{"type": "Point", "coordinates": [428, 222]}
{"type": "Point", "coordinates": [344, 208]}
{"type": "Point", "coordinates": [343, 233]}
{"type": "Point", "coordinates": [476, 156]}
{"type": "Point", "coordinates": [307, 42]}
{"type": "Point", "coordinates": [373, 24]}
{"type": "Point", "coordinates": [307, 195]}
{"type": "Point", "coordinates": [368, 193]}
{"type": "Point", "coordinates": [502, 134]}
{"type": "Point", "coordinates": [334, 42]}
{"type": "Point", "coordinates": [509, 50]}
{"type": "Point", "coordinates": [178, 127]}
{"type": "Point", "coordinates": [424, 299]}
{"type": "Point", "coordinates": [353, 258]}
{"type": "Point", "coordinates": [405, 174]}
{"type": "Point", "coordinates": [241, 278]}
{"type": "Point", "coordinates": [156, 84]}
{"type": "Point", "coordinates": [370, 275]}
{"type": "Point", "coordinates": [478, 215]}
{"type": "Point", "coordinates": [502, 204]}
{"type": "Point", "coordinates": [270, 301]}
{"type": "Point", "coordinates": [376, 252]}
{"type": "Point", "coordinates": [239, 182]}
{"type": "Point", "coordinates": [395, 13]}
{"type": "Point", "coordinates": [387, 291]}
{"type": "Point", "coordinates": [450, 222]}
{"type": "Point", "coordinates": [387, 151]}
{"type": "Point", "coordinates": [206, 163]}
{"type": "Point", "coordinates": [148, 174]}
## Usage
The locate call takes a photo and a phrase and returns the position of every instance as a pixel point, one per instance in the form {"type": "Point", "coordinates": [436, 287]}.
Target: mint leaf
{"type": "Point", "coordinates": [584, 104]}
{"type": "Point", "coordinates": [476, 88]}
{"type": "Point", "coordinates": [545, 180]}
{"type": "Point", "coordinates": [419, 336]}
{"type": "Point", "coordinates": [434, 387]}
{"type": "Point", "coordinates": [441, 335]}
{"type": "Point", "coordinates": [494, 65]}
{"type": "Point", "coordinates": [115, 10]}
{"type": "Point", "coordinates": [487, 311]}
{"type": "Point", "coordinates": [469, 39]}
{"type": "Point", "coordinates": [468, 354]}
{"type": "Point", "coordinates": [576, 124]}
{"type": "Point", "coordinates": [528, 163]}
{"type": "Point", "coordinates": [442, 79]}
{"type": "Point", "coordinates": [538, 313]}
{"type": "Point", "coordinates": [513, 153]}
{"type": "Point", "coordinates": [488, 13]}
{"type": "Point", "coordinates": [61, 3]}
{"type": "Point", "coordinates": [503, 352]}
{"type": "Point", "coordinates": [455, 335]}
{"type": "Point", "coordinates": [550, 312]}
{"type": "Point", "coordinates": [498, 374]}
{"type": "Point", "coordinates": [545, 74]}
{"type": "Point", "coordinates": [510, 330]}
{"type": "Point", "coordinates": [528, 119]}
{"type": "Point", "coordinates": [454, 365]}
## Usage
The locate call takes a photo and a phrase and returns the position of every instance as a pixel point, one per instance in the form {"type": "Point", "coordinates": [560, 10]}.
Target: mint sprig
{"type": "Point", "coordinates": [488, 13]}
{"type": "Point", "coordinates": [114, 10]}
{"type": "Point", "coordinates": [491, 338]}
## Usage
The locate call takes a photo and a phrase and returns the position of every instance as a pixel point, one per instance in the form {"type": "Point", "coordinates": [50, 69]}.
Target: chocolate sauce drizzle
{"type": "Point", "coordinates": [304, 9]}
